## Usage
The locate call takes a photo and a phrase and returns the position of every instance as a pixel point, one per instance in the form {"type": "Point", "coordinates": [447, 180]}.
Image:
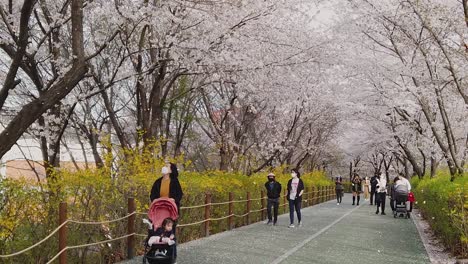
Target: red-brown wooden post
{"type": "Point", "coordinates": [247, 209]}
{"type": "Point", "coordinates": [63, 232]}
{"type": "Point", "coordinates": [285, 200]}
{"type": "Point", "coordinates": [207, 213]}
{"type": "Point", "coordinates": [262, 202]}
{"type": "Point", "coordinates": [131, 208]}
{"type": "Point", "coordinates": [311, 195]}
{"type": "Point", "coordinates": [231, 210]}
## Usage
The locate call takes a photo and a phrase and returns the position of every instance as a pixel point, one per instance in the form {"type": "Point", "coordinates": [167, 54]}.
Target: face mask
{"type": "Point", "coordinates": [294, 175]}
{"type": "Point", "coordinates": [271, 179]}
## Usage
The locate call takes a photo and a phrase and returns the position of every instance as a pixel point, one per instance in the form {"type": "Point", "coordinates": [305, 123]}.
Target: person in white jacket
{"type": "Point", "coordinates": [405, 182]}
{"type": "Point", "coordinates": [381, 193]}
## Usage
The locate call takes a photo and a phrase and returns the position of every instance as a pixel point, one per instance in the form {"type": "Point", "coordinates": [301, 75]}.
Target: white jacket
{"type": "Point", "coordinates": [381, 185]}
{"type": "Point", "coordinates": [406, 182]}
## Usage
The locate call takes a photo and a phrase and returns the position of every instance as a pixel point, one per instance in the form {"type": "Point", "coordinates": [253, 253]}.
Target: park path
{"type": "Point", "coordinates": [330, 233]}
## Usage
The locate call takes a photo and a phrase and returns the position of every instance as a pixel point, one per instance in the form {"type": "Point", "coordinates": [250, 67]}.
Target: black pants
{"type": "Point", "coordinates": [381, 197]}
{"type": "Point", "coordinates": [339, 195]}
{"type": "Point", "coordinates": [393, 204]}
{"type": "Point", "coordinates": [272, 203]}
{"type": "Point", "coordinates": [295, 204]}
{"type": "Point", "coordinates": [373, 197]}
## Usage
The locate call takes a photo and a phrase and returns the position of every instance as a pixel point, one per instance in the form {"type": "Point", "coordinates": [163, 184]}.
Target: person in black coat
{"type": "Point", "coordinates": [373, 196]}
{"type": "Point", "coordinates": [273, 193]}
{"type": "Point", "coordinates": [168, 186]}
{"type": "Point", "coordinates": [295, 191]}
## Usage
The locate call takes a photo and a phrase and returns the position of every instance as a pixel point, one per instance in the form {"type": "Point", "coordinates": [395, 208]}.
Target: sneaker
{"type": "Point", "coordinates": [274, 223]}
{"type": "Point", "coordinates": [267, 222]}
{"type": "Point", "coordinates": [383, 213]}
{"type": "Point", "coordinates": [377, 212]}
{"type": "Point", "coordinates": [357, 204]}
{"type": "Point", "coordinates": [338, 204]}
{"type": "Point", "coordinates": [300, 224]}
{"type": "Point", "coordinates": [291, 226]}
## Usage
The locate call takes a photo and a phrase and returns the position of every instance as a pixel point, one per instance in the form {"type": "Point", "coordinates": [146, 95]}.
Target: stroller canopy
{"type": "Point", "coordinates": [161, 209]}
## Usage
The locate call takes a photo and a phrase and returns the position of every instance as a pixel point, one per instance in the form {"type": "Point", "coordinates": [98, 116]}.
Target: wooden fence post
{"type": "Point", "coordinates": [63, 232]}
{"type": "Point", "coordinates": [310, 196]}
{"type": "Point", "coordinates": [247, 209]}
{"type": "Point", "coordinates": [231, 210]}
{"type": "Point", "coordinates": [207, 213]}
{"type": "Point", "coordinates": [131, 228]}
{"type": "Point", "coordinates": [305, 201]}
{"type": "Point", "coordinates": [321, 194]}
{"type": "Point", "coordinates": [313, 195]}
{"type": "Point", "coordinates": [285, 200]}
{"type": "Point", "coordinates": [262, 202]}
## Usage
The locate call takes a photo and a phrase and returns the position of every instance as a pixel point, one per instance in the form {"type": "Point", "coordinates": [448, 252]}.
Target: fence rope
{"type": "Point", "coordinates": [35, 245]}
{"type": "Point", "coordinates": [139, 213]}
{"type": "Point", "coordinates": [101, 222]}
{"type": "Point", "coordinates": [88, 245]}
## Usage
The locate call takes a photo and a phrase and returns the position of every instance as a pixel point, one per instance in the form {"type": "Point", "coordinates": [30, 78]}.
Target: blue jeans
{"type": "Point", "coordinates": [295, 204]}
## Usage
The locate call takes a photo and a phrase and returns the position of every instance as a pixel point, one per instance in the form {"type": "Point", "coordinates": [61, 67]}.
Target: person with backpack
{"type": "Point", "coordinates": [273, 193]}
{"type": "Point", "coordinates": [294, 196]}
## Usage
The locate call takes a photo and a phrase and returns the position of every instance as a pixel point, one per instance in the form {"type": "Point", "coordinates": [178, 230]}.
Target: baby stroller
{"type": "Point", "coordinates": [400, 196]}
{"type": "Point", "coordinates": [160, 253]}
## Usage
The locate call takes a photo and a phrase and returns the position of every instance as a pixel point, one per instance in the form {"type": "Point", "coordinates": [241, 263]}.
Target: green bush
{"type": "Point", "coordinates": [445, 205]}
{"type": "Point", "coordinates": [29, 211]}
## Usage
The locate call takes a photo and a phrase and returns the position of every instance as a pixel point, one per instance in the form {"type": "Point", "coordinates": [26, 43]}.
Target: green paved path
{"type": "Point", "coordinates": [330, 234]}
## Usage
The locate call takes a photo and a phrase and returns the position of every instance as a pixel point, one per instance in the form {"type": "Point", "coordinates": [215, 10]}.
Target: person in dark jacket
{"type": "Point", "coordinates": [339, 190]}
{"type": "Point", "coordinates": [273, 193]}
{"type": "Point", "coordinates": [356, 186]}
{"type": "Point", "coordinates": [373, 195]}
{"type": "Point", "coordinates": [167, 186]}
{"type": "Point", "coordinates": [294, 196]}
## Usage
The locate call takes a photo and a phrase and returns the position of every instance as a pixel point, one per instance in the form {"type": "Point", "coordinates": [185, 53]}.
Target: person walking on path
{"type": "Point", "coordinates": [356, 185]}
{"type": "Point", "coordinates": [339, 189]}
{"type": "Point", "coordinates": [381, 193]}
{"type": "Point", "coordinates": [294, 196]}
{"type": "Point", "coordinates": [366, 184]}
{"type": "Point", "coordinates": [273, 193]}
{"type": "Point", "coordinates": [373, 194]}
{"type": "Point", "coordinates": [167, 186]}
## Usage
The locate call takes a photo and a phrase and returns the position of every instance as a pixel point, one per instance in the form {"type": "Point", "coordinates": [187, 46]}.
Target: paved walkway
{"type": "Point", "coordinates": [330, 234]}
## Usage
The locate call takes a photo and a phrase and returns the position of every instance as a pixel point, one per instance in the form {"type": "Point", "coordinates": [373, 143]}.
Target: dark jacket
{"type": "Point", "coordinates": [339, 186]}
{"type": "Point", "coordinates": [175, 190]}
{"type": "Point", "coordinates": [300, 187]}
{"type": "Point", "coordinates": [373, 182]}
{"type": "Point", "coordinates": [275, 192]}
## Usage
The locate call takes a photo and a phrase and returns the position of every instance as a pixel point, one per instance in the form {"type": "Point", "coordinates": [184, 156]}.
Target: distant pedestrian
{"type": "Point", "coordinates": [294, 195]}
{"type": "Point", "coordinates": [366, 184]}
{"type": "Point", "coordinates": [373, 195]}
{"type": "Point", "coordinates": [356, 185]}
{"type": "Point", "coordinates": [273, 193]}
{"type": "Point", "coordinates": [339, 190]}
{"type": "Point", "coordinates": [381, 193]}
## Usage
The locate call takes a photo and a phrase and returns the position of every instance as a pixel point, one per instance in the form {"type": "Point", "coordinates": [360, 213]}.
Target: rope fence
{"type": "Point", "coordinates": [311, 196]}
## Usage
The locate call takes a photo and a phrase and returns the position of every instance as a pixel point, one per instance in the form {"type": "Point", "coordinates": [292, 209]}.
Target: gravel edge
{"type": "Point", "coordinates": [434, 248]}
